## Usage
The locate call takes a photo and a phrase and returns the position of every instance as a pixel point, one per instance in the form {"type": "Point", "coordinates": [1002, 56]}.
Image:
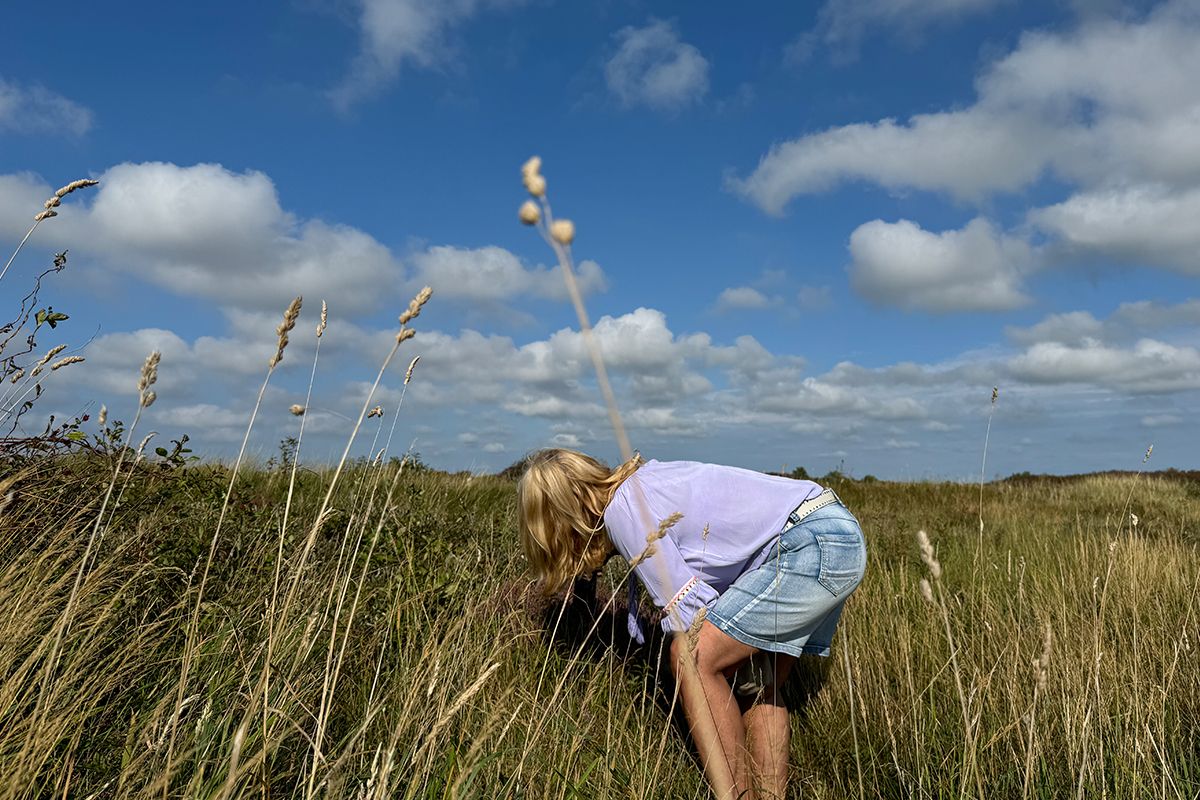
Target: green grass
{"type": "Point", "coordinates": [415, 651]}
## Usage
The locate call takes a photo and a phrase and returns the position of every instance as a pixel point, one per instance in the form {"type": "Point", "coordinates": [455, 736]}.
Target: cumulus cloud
{"type": "Point", "coordinates": [653, 67]}
{"type": "Point", "coordinates": [1142, 224]}
{"type": "Point", "coordinates": [393, 33]}
{"type": "Point", "coordinates": [38, 110]}
{"type": "Point", "coordinates": [1109, 102]}
{"type": "Point", "coordinates": [1149, 366]}
{"type": "Point", "coordinates": [205, 231]}
{"type": "Point", "coordinates": [972, 269]}
{"type": "Point", "coordinates": [493, 274]}
{"type": "Point", "coordinates": [967, 154]}
{"type": "Point", "coordinates": [671, 385]}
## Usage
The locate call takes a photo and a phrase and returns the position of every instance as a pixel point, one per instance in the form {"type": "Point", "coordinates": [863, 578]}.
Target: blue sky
{"type": "Point", "coordinates": [811, 234]}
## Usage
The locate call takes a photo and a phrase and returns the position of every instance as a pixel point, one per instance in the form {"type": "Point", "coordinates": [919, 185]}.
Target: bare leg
{"type": "Point", "coordinates": [767, 732]}
{"type": "Point", "coordinates": [712, 710]}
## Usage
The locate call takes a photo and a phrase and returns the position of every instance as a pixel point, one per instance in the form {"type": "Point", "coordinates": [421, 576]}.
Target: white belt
{"type": "Point", "coordinates": [825, 498]}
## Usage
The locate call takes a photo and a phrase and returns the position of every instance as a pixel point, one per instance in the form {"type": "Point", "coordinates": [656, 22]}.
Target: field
{"type": "Point", "coordinates": [394, 647]}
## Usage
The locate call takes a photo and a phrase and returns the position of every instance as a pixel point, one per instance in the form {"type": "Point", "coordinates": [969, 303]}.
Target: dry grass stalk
{"type": "Point", "coordinates": [933, 593]}
{"type": "Point", "coordinates": [290, 315]}
{"type": "Point", "coordinates": [1041, 670]}
{"type": "Point", "coordinates": [654, 535]}
{"type": "Point", "coordinates": [45, 359]}
{"type": "Point", "coordinates": [46, 213]}
{"type": "Point", "coordinates": [983, 464]}
{"type": "Point", "coordinates": [560, 237]}
{"type": "Point", "coordinates": [148, 375]}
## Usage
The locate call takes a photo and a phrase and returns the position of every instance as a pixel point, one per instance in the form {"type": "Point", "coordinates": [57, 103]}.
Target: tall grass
{"type": "Point", "coordinates": [367, 630]}
{"type": "Point", "coordinates": [437, 649]}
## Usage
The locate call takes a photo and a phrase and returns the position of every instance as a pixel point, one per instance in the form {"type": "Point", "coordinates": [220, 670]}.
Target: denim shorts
{"type": "Point", "coordinates": [791, 604]}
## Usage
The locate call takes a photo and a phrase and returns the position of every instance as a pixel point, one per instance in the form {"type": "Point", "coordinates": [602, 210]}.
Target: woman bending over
{"type": "Point", "coordinates": [750, 570]}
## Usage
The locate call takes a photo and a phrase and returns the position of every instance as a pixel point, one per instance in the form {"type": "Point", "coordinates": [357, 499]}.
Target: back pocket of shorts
{"type": "Point", "coordinates": [842, 556]}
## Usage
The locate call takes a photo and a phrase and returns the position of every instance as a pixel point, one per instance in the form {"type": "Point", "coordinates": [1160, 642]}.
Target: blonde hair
{"type": "Point", "coordinates": [561, 499]}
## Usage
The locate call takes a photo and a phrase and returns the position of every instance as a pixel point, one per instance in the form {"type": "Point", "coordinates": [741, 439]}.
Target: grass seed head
{"type": "Point", "coordinates": [414, 306]}
{"type": "Point", "coordinates": [1041, 665]}
{"type": "Point", "coordinates": [531, 176]}
{"type": "Point", "coordinates": [148, 399]}
{"type": "Point", "coordinates": [324, 320]}
{"type": "Point", "coordinates": [297, 410]}
{"type": "Point", "coordinates": [102, 417]}
{"type": "Point", "coordinates": [995, 394]}
{"type": "Point", "coordinates": [17, 376]}
{"type": "Point", "coordinates": [63, 362]}
{"type": "Point", "coordinates": [377, 411]}
{"type": "Point", "coordinates": [289, 321]}
{"type": "Point", "coordinates": [927, 591]}
{"type": "Point", "coordinates": [935, 568]}
{"type": "Point", "coordinates": [73, 185]}
{"type": "Point", "coordinates": [1149, 450]}
{"type": "Point", "coordinates": [56, 200]}
{"type": "Point", "coordinates": [529, 213]}
{"type": "Point", "coordinates": [149, 371]}
{"type": "Point", "coordinates": [536, 185]}
{"type": "Point", "coordinates": [408, 372]}
{"type": "Point", "coordinates": [51, 353]}
{"type": "Point", "coordinates": [563, 231]}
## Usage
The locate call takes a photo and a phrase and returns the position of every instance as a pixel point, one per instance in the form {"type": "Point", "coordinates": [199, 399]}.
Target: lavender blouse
{"type": "Point", "coordinates": [731, 517]}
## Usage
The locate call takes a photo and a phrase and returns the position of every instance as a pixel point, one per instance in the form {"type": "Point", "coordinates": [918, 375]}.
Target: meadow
{"type": "Point", "coordinates": [368, 628]}
{"type": "Point", "coordinates": [395, 647]}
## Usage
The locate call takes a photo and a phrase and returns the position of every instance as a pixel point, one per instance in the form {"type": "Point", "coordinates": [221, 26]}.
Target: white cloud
{"type": "Point", "coordinates": [1107, 103]}
{"type": "Point", "coordinates": [393, 33]}
{"type": "Point", "coordinates": [475, 392]}
{"type": "Point", "coordinates": [1161, 420]}
{"type": "Point", "coordinates": [972, 269]}
{"type": "Point", "coordinates": [654, 67]}
{"type": "Point", "coordinates": [1129, 322]}
{"type": "Point", "coordinates": [742, 297]}
{"type": "Point", "coordinates": [1143, 224]}
{"type": "Point", "coordinates": [566, 440]}
{"type": "Point", "coordinates": [1149, 366]}
{"type": "Point", "coordinates": [38, 110]}
{"type": "Point", "coordinates": [206, 232]}
{"type": "Point", "coordinates": [965, 153]}
{"type": "Point", "coordinates": [1070, 328]}
{"type": "Point", "coordinates": [493, 274]}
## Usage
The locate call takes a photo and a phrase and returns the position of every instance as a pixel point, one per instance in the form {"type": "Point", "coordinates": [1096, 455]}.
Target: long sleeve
{"type": "Point", "coordinates": [668, 579]}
